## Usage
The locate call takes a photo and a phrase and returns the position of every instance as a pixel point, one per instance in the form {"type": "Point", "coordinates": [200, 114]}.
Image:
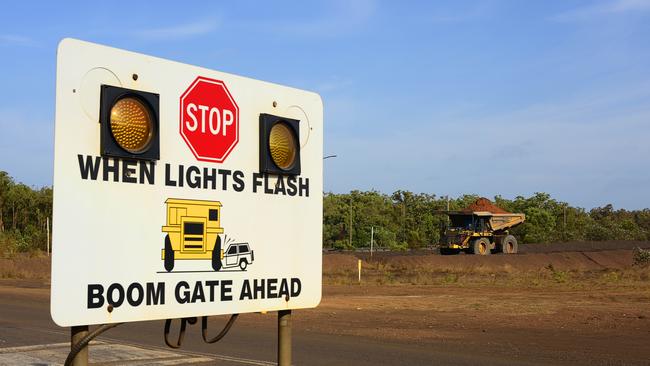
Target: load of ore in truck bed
{"type": "Point", "coordinates": [484, 204]}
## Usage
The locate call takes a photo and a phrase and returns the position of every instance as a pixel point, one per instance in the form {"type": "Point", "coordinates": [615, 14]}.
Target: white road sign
{"type": "Point", "coordinates": [162, 206]}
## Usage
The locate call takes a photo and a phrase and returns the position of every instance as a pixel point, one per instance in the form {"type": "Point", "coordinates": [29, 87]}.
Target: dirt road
{"type": "Point", "coordinates": [569, 308]}
{"type": "Point", "coordinates": [396, 325]}
{"type": "Point", "coordinates": [558, 326]}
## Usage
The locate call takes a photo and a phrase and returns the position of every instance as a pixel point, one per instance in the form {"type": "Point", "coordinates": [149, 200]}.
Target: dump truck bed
{"type": "Point", "coordinates": [506, 221]}
{"type": "Point", "coordinates": [498, 222]}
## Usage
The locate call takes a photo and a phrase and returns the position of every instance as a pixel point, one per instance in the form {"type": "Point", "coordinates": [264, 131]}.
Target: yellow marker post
{"type": "Point", "coordinates": [359, 270]}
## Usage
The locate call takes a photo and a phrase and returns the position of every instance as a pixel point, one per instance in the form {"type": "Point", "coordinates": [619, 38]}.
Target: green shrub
{"type": "Point", "coordinates": [641, 257]}
{"type": "Point", "coordinates": [557, 275]}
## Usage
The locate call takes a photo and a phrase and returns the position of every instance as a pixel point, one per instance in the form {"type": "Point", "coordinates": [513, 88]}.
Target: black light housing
{"type": "Point", "coordinates": [130, 126]}
{"type": "Point", "coordinates": [279, 145]}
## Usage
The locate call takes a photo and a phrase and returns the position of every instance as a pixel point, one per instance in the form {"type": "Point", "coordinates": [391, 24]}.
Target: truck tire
{"type": "Point", "coordinates": [509, 245]}
{"type": "Point", "coordinates": [216, 255]}
{"type": "Point", "coordinates": [498, 244]}
{"type": "Point", "coordinates": [169, 255]}
{"type": "Point", "coordinates": [481, 246]}
{"type": "Point", "coordinates": [242, 264]}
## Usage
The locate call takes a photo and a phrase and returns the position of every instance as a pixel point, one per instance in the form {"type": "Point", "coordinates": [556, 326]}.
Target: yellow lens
{"type": "Point", "coordinates": [282, 146]}
{"type": "Point", "coordinates": [131, 125]}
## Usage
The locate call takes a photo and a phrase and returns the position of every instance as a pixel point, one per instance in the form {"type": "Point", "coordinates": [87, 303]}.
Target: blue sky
{"type": "Point", "coordinates": [446, 97]}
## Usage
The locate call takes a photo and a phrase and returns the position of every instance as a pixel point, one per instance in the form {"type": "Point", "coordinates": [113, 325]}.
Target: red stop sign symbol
{"type": "Point", "coordinates": [209, 121]}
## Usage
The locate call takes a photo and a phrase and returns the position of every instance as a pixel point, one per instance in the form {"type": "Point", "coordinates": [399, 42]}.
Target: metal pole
{"type": "Point", "coordinates": [47, 223]}
{"type": "Point", "coordinates": [372, 237]}
{"type": "Point", "coordinates": [284, 338]}
{"type": "Point", "coordinates": [350, 229]}
{"type": "Point", "coordinates": [564, 227]}
{"type": "Point", "coordinates": [447, 210]}
{"type": "Point", "coordinates": [77, 334]}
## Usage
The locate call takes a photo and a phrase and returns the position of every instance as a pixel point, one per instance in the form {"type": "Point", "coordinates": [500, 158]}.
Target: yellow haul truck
{"type": "Point", "coordinates": [193, 228]}
{"type": "Point", "coordinates": [480, 232]}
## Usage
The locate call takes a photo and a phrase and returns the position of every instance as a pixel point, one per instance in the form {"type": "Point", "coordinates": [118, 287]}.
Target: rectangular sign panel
{"type": "Point", "coordinates": [181, 191]}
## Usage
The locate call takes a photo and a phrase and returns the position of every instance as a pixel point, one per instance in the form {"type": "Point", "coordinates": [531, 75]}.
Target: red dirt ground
{"type": "Point", "coordinates": [586, 308]}
{"type": "Point", "coordinates": [599, 326]}
{"type": "Point", "coordinates": [581, 261]}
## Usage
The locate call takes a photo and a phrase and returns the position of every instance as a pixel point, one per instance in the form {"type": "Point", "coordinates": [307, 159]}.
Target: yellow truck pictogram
{"type": "Point", "coordinates": [193, 228]}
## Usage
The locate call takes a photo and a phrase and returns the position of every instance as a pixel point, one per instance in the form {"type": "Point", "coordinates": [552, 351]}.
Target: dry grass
{"type": "Point", "coordinates": [34, 266]}
{"type": "Point", "coordinates": [380, 273]}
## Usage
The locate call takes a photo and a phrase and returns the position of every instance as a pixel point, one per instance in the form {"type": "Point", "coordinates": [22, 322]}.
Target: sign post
{"type": "Point", "coordinates": [187, 192]}
{"type": "Point", "coordinates": [78, 333]}
{"type": "Point", "coordinates": [284, 338]}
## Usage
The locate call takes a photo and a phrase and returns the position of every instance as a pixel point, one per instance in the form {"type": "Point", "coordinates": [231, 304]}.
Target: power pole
{"type": "Point", "coordinates": [564, 227]}
{"type": "Point", "coordinates": [447, 218]}
{"type": "Point", "coordinates": [47, 228]}
{"type": "Point", "coordinates": [372, 237]}
{"type": "Point", "coordinates": [350, 226]}
{"type": "Point", "coordinates": [404, 219]}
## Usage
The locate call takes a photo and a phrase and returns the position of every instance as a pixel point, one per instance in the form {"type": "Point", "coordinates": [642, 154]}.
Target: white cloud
{"type": "Point", "coordinates": [601, 9]}
{"type": "Point", "coordinates": [577, 148]}
{"type": "Point", "coordinates": [628, 5]}
{"type": "Point", "coordinates": [15, 40]}
{"type": "Point", "coordinates": [346, 17]}
{"type": "Point", "coordinates": [333, 84]}
{"type": "Point", "coordinates": [477, 12]}
{"type": "Point", "coordinates": [181, 31]}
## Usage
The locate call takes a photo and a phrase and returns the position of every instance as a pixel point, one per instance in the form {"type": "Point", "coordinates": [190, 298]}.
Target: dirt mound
{"type": "Point", "coordinates": [585, 261]}
{"type": "Point", "coordinates": [338, 262]}
{"type": "Point", "coordinates": [581, 261]}
{"type": "Point", "coordinates": [582, 246]}
{"type": "Point", "coordinates": [484, 204]}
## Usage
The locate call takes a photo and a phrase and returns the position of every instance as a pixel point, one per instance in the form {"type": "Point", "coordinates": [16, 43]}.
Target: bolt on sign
{"type": "Point", "coordinates": [181, 191]}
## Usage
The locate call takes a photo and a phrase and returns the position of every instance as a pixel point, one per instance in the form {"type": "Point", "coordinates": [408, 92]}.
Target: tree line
{"type": "Point", "coordinates": [399, 221]}
{"type": "Point", "coordinates": [407, 220]}
{"type": "Point", "coordinates": [24, 215]}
